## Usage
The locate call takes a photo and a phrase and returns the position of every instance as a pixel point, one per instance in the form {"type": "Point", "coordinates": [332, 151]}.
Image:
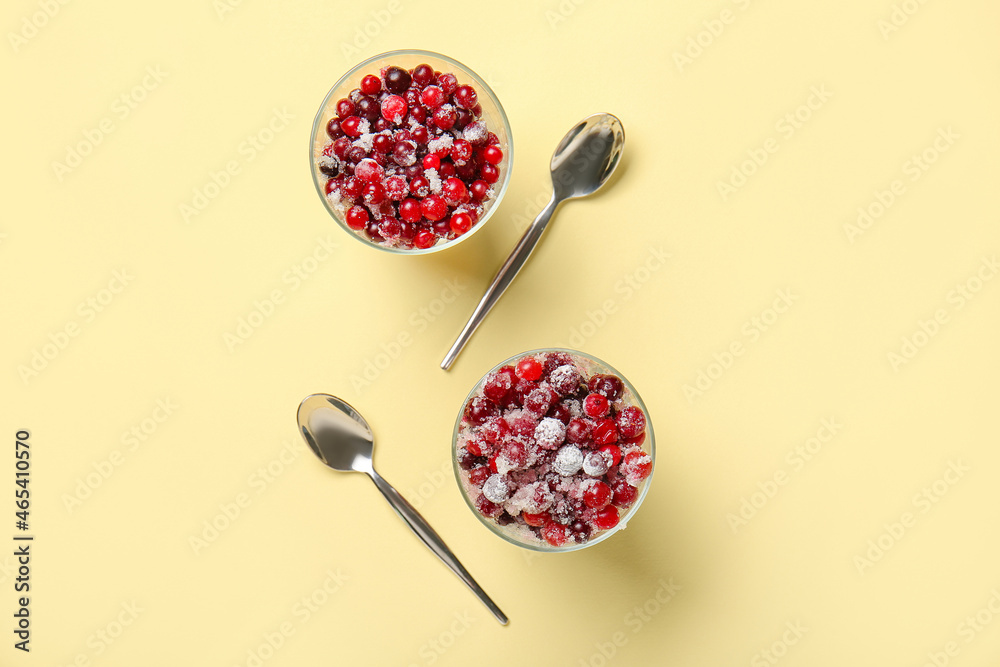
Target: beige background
{"type": "Point", "coordinates": [838, 559]}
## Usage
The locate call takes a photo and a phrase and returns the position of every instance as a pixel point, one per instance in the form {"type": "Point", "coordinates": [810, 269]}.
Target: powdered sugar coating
{"type": "Point", "coordinates": [568, 461]}
{"type": "Point", "coordinates": [550, 433]}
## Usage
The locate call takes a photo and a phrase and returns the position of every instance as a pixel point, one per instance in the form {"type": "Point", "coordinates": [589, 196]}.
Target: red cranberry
{"type": "Point", "coordinates": [432, 97]}
{"type": "Point", "coordinates": [597, 495]}
{"type": "Point", "coordinates": [468, 461]}
{"type": "Point", "coordinates": [395, 188]}
{"type": "Point", "coordinates": [630, 422]}
{"type": "Point", "coordinates": [356, 154]}
{"type": "Point", "coordinates": [624, 493]}
{"type": "Point", "coordinates": [492, 138]}
{"type": "Point", "coordinates": [493, 155]}
{"type": "Point", "coordinates": [330, 185]}
{"type": "Point", "coordinates": [578, 431]}
{"type": "Point", "coordinates": [444, 117]}
{"type": "Point", "coordinates": [373, 194]}
{"type": "Point", "coordinates": [413, 171]}
{"type": "Point", "coordinates": [397, 80]}
{"type": "Point", "coordinates": [462, 119]}
{"type": "Point", "coordinates": [561, 411]}
{"type": "Point", "coordinates": [479, 410]}
{"type": "Point", "coordinates": [478, 476]}
{"type": "Point", "coordinates": [340, 147]}
{"type": "Point", "coordinates": [345, 108]}
{"type": "Point", "coordinates": [540, 400]}
{"type": "Point", "coordinates": [580, 531]}
{"type": "Point", "coordinates": [368, 109]}
{"type": "Point", "coordinates": [420, 187]}
{"type": "Point", "coordinates": [596, 405]}
{"type": "Point", "coordinates": [409, 210]}
{"type": "Point", "coordinates": [612, 451]}
{"type": "Point", "coordinates": [423, 74]}
{"type": "Point", "coordinates": [433, 207]}
{"type": "Point", "coordinates": [370, 84]}
{"type": "Point", "coordinates": [460, 223]}
{"type": "Point", "coordinates": [424, 239]}
{"type": "Point", "coordinates": [487, 508]}
{"type": "Point", "coordinates": [372, 232]}
{"type": "Point", "coordinates": [353, 186]}
{"type": "Point", "coordinates": [536, 520]}
{"type": "Point", "coordinates": [475, 133]}
{"type": "Point", "coordinates": [515, 453]}
{"type": "Point", "coordinates": [448, 83]}
{"type": "Point", "coordinates": [419, 134]}
{"type": "Point", "coordinates": [489, 173]}
{"type": "Point", "coordinates": [477, 111]}
{"type": "Point", "coordinates": [529, 369]}
{"type": "Point", "coordinates": [357, 218]}
{"type": "Point", "coordinates": [447, 169]}
{"type": "Point", "coordinates": [381, 125]}
{"type": "Point", "coordinates": [498, 385]}
{"type": "Point", "coordinates": [636, 465]}
{"type": "Point", "coordinates": [606, 518]}
{"type": "Point", "coordinates": [394, 109]}
{"type": "Point", "coordinates": [442, 227]}
{"type": "Point", "coordinates": [369, 170]}
{"type": "Point", "coordinates": [494, 430]}
{"type": "Point", "coordinates": [404, 153]}
{"type": "Point", "coordinates": [382, 144]}
{"type": "Point", "coordinates": [605, 432]}
{"type": "Point", "coordinates": [390, 228]}
{"type": "Point", "coordinates": [465, 97]}
{"type": "Point", "coordinates": [467, 171]}
{"type": "Point", "coordinates": [555, 534]}
{"type": "Point", "coordinates": [454, 192]}
{"type": "Point", "coordinates": [461, 150]}
{"type": "Point", "coordinates": [333, 129]}
{"type": "Point", "coordinates": [351, 126]}
{"type": "Point", "coordinates": [608, 386]}
{"type": "Point", "coordinates": [478, 190]}
{"type": "Point", "coordinates": [431, 161]}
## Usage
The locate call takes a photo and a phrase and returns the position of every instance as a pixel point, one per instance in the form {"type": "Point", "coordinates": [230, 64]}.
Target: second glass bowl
{"type": "Point", "coordinates": [553, 450]}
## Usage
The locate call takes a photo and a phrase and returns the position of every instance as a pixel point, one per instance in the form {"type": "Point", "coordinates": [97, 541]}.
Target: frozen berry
{"type": "Point", "coordinates": [394, 109]}
{"type": "Point", "coordinates": [550, 433]}
{"type": "Point", "coordinates": [606, 518]}
{"type": "Point", "coordinates": [493, 155]}
{"type": "Point", "coordinates": [488, 508]}
{"type": "Point", "coordinates": [465, 97]}
{"type": "Point", "coordinates": [529, 369]}
{"type": "Point", "coordinates": [433, 207]}
{"type": "Point", "coordinates": [357, 217]}
{"type": "Point", "coordinates": [612, 451]}
{"type": "Point", "coordinates": [568, 461]}
{"type": "Point", "coordinates": [555, 534]}
{"type": "Point", "coordinates": [432, 97]}
{"type": "Point", "coordinates": [370, 84]}
{"type": "Point", "coordinates": [636, 466]}
{"type": "Point", "coordinates": [597, 495]}
{"type": "Point", "coordinates": [624, 493]}
{"type": "Point", "coordinates": [596, 405]}
{"type": "Point", "coordinates": [536, 520]}
{"type": "Point", "coordinates": [460, 223]}
{"type": "Point", "coordinates": [631, 422]}
{"type": "Point", "coordinates": [608, 386]}
{"type": "Point", "coordinates": [605, 432]}
{"type": "Point", "coordinates": [423, 74]}
{"type": "Point", "coordinates": [448, 83]}
{"type": "Point", "coordinates": [578, 431]}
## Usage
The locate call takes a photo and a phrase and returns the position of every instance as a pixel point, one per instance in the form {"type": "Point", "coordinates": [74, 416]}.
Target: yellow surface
{"type": "Point", "coordinates": [744, 545]}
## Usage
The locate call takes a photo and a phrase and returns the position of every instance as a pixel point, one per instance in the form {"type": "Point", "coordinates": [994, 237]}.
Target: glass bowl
{"type": "Point", "coordinates": [517, 530]}
{"type": "Point", "coordinates": [492, 115]}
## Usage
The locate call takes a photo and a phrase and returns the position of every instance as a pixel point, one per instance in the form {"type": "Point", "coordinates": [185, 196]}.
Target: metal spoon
{"type": "Point", "coordinates": [583, 161]}
{"type": "Point", "coordinates": [342, 439]}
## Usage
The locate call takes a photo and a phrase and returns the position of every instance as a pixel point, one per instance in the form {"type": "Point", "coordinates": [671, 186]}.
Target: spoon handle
{"type": "Point", "coordinates": [429, 537]}
{"type": "Point", "coordinates": [503, 279]}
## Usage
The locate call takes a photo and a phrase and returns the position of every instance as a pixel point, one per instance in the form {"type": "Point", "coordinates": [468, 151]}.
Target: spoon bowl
{"type": "Point", "coordinates": [341, 438]}
{"type": "Point", "coordinates": [582, 162]}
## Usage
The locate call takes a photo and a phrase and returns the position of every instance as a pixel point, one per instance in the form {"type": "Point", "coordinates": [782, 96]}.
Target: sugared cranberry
{"type": "Point", "coordinates": [478, 190]}
{"type": "Point", "coordinates": [475, 133]}
{"type": "Point", "coordinates": [461, 151]}
{"type": "Point", "coordinates": [607, 386]}
{"type": "Point", "coordinates": [394, 109]}
{"type": "Point", "coordinates": [370, 84]}
{"type": "Point", "coordinates": [606, 518]}
{"type": "Point", "coordinates": [555, 533]}
{"type": "Point", "coordinates": [612, 451]}
{"type": "Point", "coordinates": [454, 192]}
{"type": "Point", "coordinates": [564, 379]}
{"type": "Point", "coordinates": [536, 520]}
{"type": "Point", "coordinates": [433, 207]}
{"type": "Point", "coordinates": [442, 227]}
{"type": "Point", "coordinates": [382, 144]}
{"type": "Point", "coordinates": [494, 430]}
{"type": "Point", "coordinates": [578, 431]}
{"type": "Point", "coordinates": [404, 153]}
{"type": "Point", "coordinates": [636, 466]}
{"type": "Point", "coordinates": [396, 189]}
{"type": "Point", "coordinates": [351, 126]}
{"type": "Point", "coordinates": [373, 194]}
{"type": "Point", "coordinates": [357, 217]}
{"type": "Point", "coordinates": [444, 117]}
{"type": "Point", "coordinates": [493, 155]}
{"type": "Point", "coordinates": [630, 422]}
{"type": "Point", "coordinates": [580, 531]}
{"type": "Point", "coordinates": [465, 97]}
{"type": "Point", "coordinates": [476, 111]}
{"type": "Point", "coordinates": [540, 400]}
{"type": "Point", "coordinates": [489, 173]}
{"type": "Point", "coordinates": [432, 97]}
{"type": "Point", "coordinates": [448, 83]}
{"type": "Point", "coordinates": [488, 508]}
{"type": "Point", "coordinates": [624, 493]}
{"type": "Point", "coordinates": [330, 185]}
{"type": "Point", "coordinates": [529, 369]}
{"type": "Point", "coordinates": [479, 475]}
{"type": "Point", "coordinates": [561, 411]}
{"type": "Point", "coordinates": [345, 108]}
{"type": "Point", "coordinates": [468, 460]}
{"type": "Point", "coordinates": [390, 228]}
{"type": "Point", "coordinates": [479, 410]}
{"type": "Point", "coordinates": [409, 210]}
{"type": "Point", "coordinates": [420, 187]}
{"type": "Point", "coordinates": [597, 495]}
{"type": "Point", "coordinates": [424, 239]}
{"type": "Point", "coordinates": [368, 170]}
{"type": "Point", "coordinates": [596, 405]}
{"type": "Point", "coordinates": [498, 385]}
{"type": "Point", "coordinates": [423, 74]}
{"type": "Point", "coordinates": [353, 186]}
{"type": "Point", "coordinates": [397, 80]}
{"type": "Point", "coordinates": [492, 138]}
